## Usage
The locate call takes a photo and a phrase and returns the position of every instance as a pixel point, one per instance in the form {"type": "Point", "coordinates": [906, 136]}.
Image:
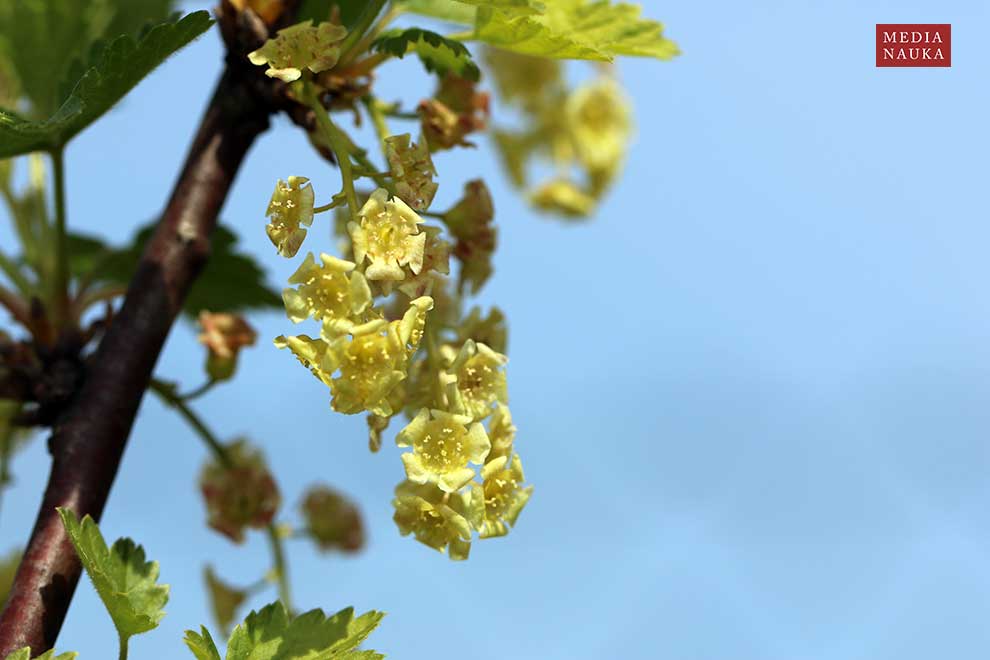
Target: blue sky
{"type": "Point", "coordinates": [752, 393]}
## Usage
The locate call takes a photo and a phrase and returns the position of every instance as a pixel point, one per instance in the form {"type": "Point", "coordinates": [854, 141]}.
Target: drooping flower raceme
{"type": "Point", "coordinates": [290, 211]}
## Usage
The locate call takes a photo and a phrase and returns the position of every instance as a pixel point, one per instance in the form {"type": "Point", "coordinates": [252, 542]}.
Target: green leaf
{"type": "Point", "coordinates": [201, 644]}
{"type": "Point", "coordinates": [270, 634]}
{"type": "Point", "coordinates": [576, 29]}
{"type": "Point", "coordinates": [8, 568]}
{"type": "Point", "coordinates": [230, 282]}
{"type": "Point", "coordinates": [439, 54]}
{"type": "Point", "coordinates": [114, 70]}
{"type": "Point", "coordinates": [41, 39]}
{"type": "Point", "coordinates": [25, 654]}
{"type": "Point", "coordinates": [517, 6]}
{"type": "Point", "coordinates": [126, 583]}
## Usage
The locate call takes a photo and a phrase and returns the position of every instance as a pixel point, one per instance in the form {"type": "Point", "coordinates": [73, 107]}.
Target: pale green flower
{"type": "Point", "coordinates": [504, 495]}
{"type": "Point", "coordinates": [501, 432]}
{"type": "Point", "coordinates": [412, 169]}
{"type": "Point", "coordinates": [564, 197]}
{"type": "Point", "coordinates": [371, 364]}
{"type": "Point", "coordinates": [301, 46]}
{"type": "Point", "coordinates": [600, 124]}
{"type": "Point", "coordinates": [477, 380]}
{"type": "Point", "coordinates": [311, 353]}
{"type": "Point", "coordinates": [435, 518]}
{"type": "Point", "coordinates": [443, 444]}
{"type": "Point", "coordinates": [332, 292]}
{"type": "Point", "coordinates": [388, 236]}
{"type": "Point", "coordinates": [436, 264]}
{"type": "Point", "coordinates": [290, 210]}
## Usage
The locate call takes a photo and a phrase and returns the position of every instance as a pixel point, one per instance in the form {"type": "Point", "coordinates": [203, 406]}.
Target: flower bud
{"type": "Point", "coordinates": [224, 335]}
{"type": "Point", "coordinates": [332, 520]}
{"type": "Point", "coordinates": [240, 495]}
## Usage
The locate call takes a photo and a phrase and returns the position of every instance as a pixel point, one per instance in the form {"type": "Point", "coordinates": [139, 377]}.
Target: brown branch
{"type": "Point", "coordinates": [88, 439]}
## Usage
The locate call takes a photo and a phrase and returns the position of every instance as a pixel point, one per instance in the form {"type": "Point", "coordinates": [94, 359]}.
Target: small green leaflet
{"type": "Point", "coordinates": [25, 654]}
{"type": "Point", "coordinates": [439, 54]}
{"type": "Point", "coordinates": [126, 583]}
{"type": "Point", "coordinates": [444, 10]}
{"type": "Point", "coordinates": [269, 634]}
{"type": "Point", "coordinates": [114, 70]}
{"type": "Point", "coordinates": [230, 282]}
{"type": "Point", "coordinates": [575, 29]}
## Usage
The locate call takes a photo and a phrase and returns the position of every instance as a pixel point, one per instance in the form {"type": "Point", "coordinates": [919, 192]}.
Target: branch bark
{"type": "Point", "coordinates": [88, 439]}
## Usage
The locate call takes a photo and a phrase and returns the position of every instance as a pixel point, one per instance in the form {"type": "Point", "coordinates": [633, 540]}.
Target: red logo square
{"type": "Point", "coordinates": [914, 44]}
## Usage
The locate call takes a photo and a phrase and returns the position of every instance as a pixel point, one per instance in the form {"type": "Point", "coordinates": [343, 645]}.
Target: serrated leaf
{"type": "Point", "coordinates": [230, 282]}
{"type": "Point", "coordinates": [41, 39]}
{"type": "Point", "coordinates": [126, 582]}
{"type": "Point", "coordinates": [201, 644]}
{"type": "Point", "coordinates": [269, 634]}
{"type": "Point", "coordinates": [439, 54]}
{"type": "Point", "coordinates": [116, 70]}
{"type": "Point", "coordinates": [575, 29]}
{"type": "Point", "coordinates": [25, 654]}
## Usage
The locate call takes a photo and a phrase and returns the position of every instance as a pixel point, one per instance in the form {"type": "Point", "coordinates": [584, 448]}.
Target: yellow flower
{"type": "Point", "coordinates": [334, 293]}
{"type": "Point", "coordinates": [562, 196]}
{"type": "Point", "coordinates": [371, 364]}
{"type": "Point", "coordinates": [388, 235]}
{"type": "Point", "coordinates": [600, 123]}
{"type": "Point", "coordinates": [501, 432]}
{"type": "Point", "coordinates": [290, 208]}
{"type": "Point", "coordinates": [298, 47]}
{"type": "Point", "coordinates": [436, 262]}
{"type": "Point", "coordinates": [436, 519]}
{"type": "Point", "coordinates": [412, 169]}
{"type": "Point", "coordinates": [224, 335]}
{"type": "Point", "coordinates": [443, 445]}
{"type": "Point", "coordinates": [477, 381]}
{"type": "Point", "coordinates": [470, 221]}
{"type": "Point", "coordinates": [332, 520]}
{"type": "Point", "coordinates": [504, 496]}
{"type": "Point", "coordinates": [312, 353]}
{"type": "Point", "coordinates": [524, 80]}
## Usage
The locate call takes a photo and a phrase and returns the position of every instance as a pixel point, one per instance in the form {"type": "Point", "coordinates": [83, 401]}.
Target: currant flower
{"type": "Point", "coordinates": [443, 444]}
{"type": "Point", "coordinates": [436, 263]}
{"type": "Point", "coordinates": [562, 196]}
{"type": "Point", "coordinates": [414, 322]}
{"type": "Point", "coordinates": [240, 495]}
{"type": "Point", "coordinates": [290, 210]}
{"type": "Point", "coordinates": [501, 432]}
{"type": "Point", "coordinates": [477, 380]}
{"type": "Point", "coordinates": [224, 335]}
{"type": "Point", "coordinates": [523, 80]}
{"type": "Point", "coordinates": [412, 169]}
{"type": "Point", "coordinates": [332, 520]}
{"type": "Point", "coordinates": [388, 236]}
{"type": "Point", "coordinates": [332, 292]}
{"type": "Point", "coordinates": [302, 46]}
{"type": "Point", "coordinates": [371, 364]}
{"type": "Point", "coordinates": [456, 111]}
{"type": "Point", "coordinates": [599, 120]}
{"type": "Point", "coordinates": [436, 519]}
{"type": "Point", "coordinates": [470, 221]}
{"type": "Point", "coordinates": [504, 495]}
{"type": "Point", "coordinates": [314, 354]}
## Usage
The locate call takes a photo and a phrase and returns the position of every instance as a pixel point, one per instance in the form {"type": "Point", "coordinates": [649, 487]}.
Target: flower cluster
{"type": "Point", "coordinates": [240, 492]}
{"type": "Point", "coordinates": [587, 129]}
{"type": "Point", "coordinates": [392, 337]}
